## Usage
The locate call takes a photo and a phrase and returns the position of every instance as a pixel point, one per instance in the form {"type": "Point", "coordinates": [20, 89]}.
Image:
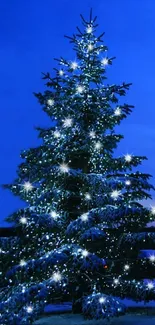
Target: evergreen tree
{"type": "Point", "coordinates": [82, 202]}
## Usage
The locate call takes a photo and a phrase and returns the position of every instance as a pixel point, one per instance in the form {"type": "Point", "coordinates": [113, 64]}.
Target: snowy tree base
{"type": "Point", "coordinates": [73, 319]}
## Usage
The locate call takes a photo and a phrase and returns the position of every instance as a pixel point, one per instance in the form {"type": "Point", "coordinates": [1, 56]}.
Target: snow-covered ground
{"type": "Point", "coordinates": [70, 319]}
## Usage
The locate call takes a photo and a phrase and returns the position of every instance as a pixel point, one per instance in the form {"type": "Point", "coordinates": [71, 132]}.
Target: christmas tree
{"type": "Point", "coordinates": [83, 203]}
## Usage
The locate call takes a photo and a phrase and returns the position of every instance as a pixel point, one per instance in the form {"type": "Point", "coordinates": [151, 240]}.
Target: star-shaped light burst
{"type": "Point", "coordinates": [84, 217]}
{"type": "Point", "coordinates": [27, 186]}
{"type": "Point", "coordinates": [74, 65]}
{"type": "Point", "coordinates": [23, 220]}
{"type": "Point", "coordinates": [79, 89]}
{"type": "Point", "coordinates": [85, 253]}
{"type": "Point", "coordinates": [68, 122]}
{"type": "Point", "coordinates": [98, 145]}
{"type": "Point", "coordinates": [89, 29]}
{"type": "Point", "coordinates": [61, 72]}
{"type": "Point", "coordinates": [126, 267]}
{"type": "Point", "coordinates": [153, 210]}
{"type": "Point", "coordinates": [53, 215]}
{"type": "Point", "coordinates": [64, 168]}
{"type": "Point", "coordinates": [117, 111]}
{"type": "Point", "coordinates": [87, 196]}
{"type": "Point", "coordinates": [90, 47]}
{"type": "Point", "coordinates": [128, 157]}
{"type": "Point", "coordinates": [29, 309]}
{"type": "Point", "coordinates": [50, 102]}
{"type": "Point", "coordinates": [116, 281]}
{"type": "Point", "coordinates": [56, 276]}
{"type": "Point", "coordinates": [56, 134]}
{"type": "Point", "coordinates": [92, 134]}
{"type": "Point", "coordinates": [102, 300]}
{"type": "Point", "coordinates": [128, 182]}
{"type": "Point", "coordinates": [150, 285]}
{"type": "Point", "coordinates": [22, 263]}
{"type": "Point", "coordinates": [104, 61]}
{"type": "Point", "coordinates": [115, 194]}
{"type": "Point", "coordinates": [152, 258]}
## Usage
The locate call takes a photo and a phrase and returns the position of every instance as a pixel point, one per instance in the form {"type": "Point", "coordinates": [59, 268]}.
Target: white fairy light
{"type": "Point", "coordinates": [27, 186]}
{"type": "Point", "coordinates": [64, 168]}
{"type": "Point", "coordinates": [153, 210]}
{"type": "Point", "coordinates": [128, 182]}
{"type": "Point", "coordinates": [117, 111]}
{"type": "Point", "coordinates": [22, 263]}
{"type": "Point", "coordinates": [56, 134]}
{"type": "Point", "coordinates": [126, 267]}
{"type": "Point", "coordinates": [29, 309]}
{"type": "Point", "coordinates": [79, 89]}
{"type": "Point", "coordinates": [53, 214]}
{"type": "Point", "coordinates": [102, 300]}
{"type": "Point", "coordinates": [84, 217]}
{"type": "Point", "coordinates": [104, 61]}
{"type": "Point", "coordinates": [23, 220]}
{"type": "Point", "coordinates": [90, 47]}
{"type": "Point", "coordinates": [150, 285]}
{"type": "Point", "coordinates": [115, 194]}
{"type": "Point", "coordinates": [152, 258]}
{"type": "Point", "coordinates": [50, 102]}
{"type": "Point", "coordinates": [116, 281]}
{"type": "Point", "coordinates": [85, 253]}
{"type": "Point", "coordinates": [56, 276]}
{"type": "Point", "coordinates": [89, 29]}
{"type": "Point", "coordinates": [67, 122]}
{"type": "Point", "coordinates": [128, 157]}
{"type": "Point", "coordinates": [92, 134]}
{"type": "Point", "coordinates": [87, 196]}
{"type": "Point", "coordinates": [74, 65]}
{"type": "Point", "coordinates": [61, 72]}
{"type": "Point", "coordinates": [98, 145]}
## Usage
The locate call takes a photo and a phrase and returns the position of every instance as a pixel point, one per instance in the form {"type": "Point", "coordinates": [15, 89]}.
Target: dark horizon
{"type": "Point", "coordinates": [33, 35]}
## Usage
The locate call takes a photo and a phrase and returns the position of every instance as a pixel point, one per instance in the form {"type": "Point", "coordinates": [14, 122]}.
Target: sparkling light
{"type": "Point", "coordinates": [152, 258]}
{"type": "Point", "coordinates": [79, 89]}
{"type": "Point", "coordinates": [153, 210]}
{"type": "Point", "coordinates": [102, 300]}
{"type": "Point", "coordinates": [53, 214]}
{"type": "Point", "coordinates": [84, 217]}
{"type": "Point", "coordinates": [64, 168]}
{"type": "Point", "coordinates": [104, 61]}
{"type": "Point", "coordinates": [74, 65]}
{"type": "Point", "coordinates": [29, 309]}
{"type": "Point", "coordinates": [128, 183]}
{"type": "Point", "coordinates": [116, 281]}
{"type": "Point", "coordinates": [115, 194]}
{"type": "Point", "coordinates": [56, 276]}
{"type": "Point", "coordinates": [67, 122]}
{"type": "Point", "coordinates": [126, 267]}
{"type": "Point", "coordinates": [150, 285]}
{"type": "Point", "coordinates": [88, 196]}
{"type": "Point", "coordinates": [23, 220]}
{"type": "Point", "coordinates": [89, 29]}
{"type": "Point", "coordinates": [22, 263]}
{"type": "Point", "coordinates": [117, 111]}
{"type": "Point", "coordinates": [92, 134]}
{"type": "Point", "coordinates": [98, 145]}
{"type": "Point", "coordinates": [128, 157]}
{"type": "Point", "coordinates": [50, 102]}
{"type": "Point", "coordinates": [90, 47]}
{"type": "Point", "coordinates": [56, 134]}
{"type": "Point", "coordinates": [27, 186]}
{"type": "Point", "coordinates": [85, 253]}
{"type": "Point", "coordinates": [61, 72]}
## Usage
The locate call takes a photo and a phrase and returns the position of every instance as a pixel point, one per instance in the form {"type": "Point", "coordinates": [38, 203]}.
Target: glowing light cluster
{"type": "Point", "coordinates": [64, 168]}
{"type": "Point", "coordinates": [27, 186]}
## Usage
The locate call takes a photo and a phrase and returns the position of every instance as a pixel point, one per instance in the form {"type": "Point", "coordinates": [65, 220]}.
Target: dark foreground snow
{"type": "Point", "coordinates": [71, 319]}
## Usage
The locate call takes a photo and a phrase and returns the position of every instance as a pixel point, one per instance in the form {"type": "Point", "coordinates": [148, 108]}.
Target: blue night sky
{"type": "Point", "coordinates": [32, 35]}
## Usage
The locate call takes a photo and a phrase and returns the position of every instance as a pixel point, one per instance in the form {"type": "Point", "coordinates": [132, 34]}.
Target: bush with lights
{"type": "Point", "coordinates": [77, 191]}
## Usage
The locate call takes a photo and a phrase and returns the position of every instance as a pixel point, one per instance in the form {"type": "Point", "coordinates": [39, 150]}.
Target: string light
{"type": "Point", "coordinates": [22, 263]}
{"type": "Point", "coordinates": [56, 276]}
{"type": "Point", "coordinates": [53, 215]}
{"type": "Point", "coordinates": [89, 29]}
{"type": "Point", "coordinates": [98, 145]}
{"type": "Point", "coordinates": [126, 267]}
{"type": "Point", "coordinates": [67, 122]}
{"type": "Point", "coordinates": [92, 134]}
{"type": "Point", "coordinates": [56, 134]}
{"type": "Point", "coordinates": [150, 285]}
{"type": "Point", "coordinates": [105, 61]}
{"type": "Point", "coordinates": [117, 111]}
{"type": "Point", "coordinates": [85, 253]}
{"type": "Point", "coordinates": [64, 168]}
{"type": "Point", "coordinates": [87, 196]}
{"type": "Point", "coordinates": [116, 281]}
{"type": "Point", "coordinates": [152, 258]}
{"type": "Point", "coordinates": [23, 220]}
{"type": "Point", "coordinates": [128, 182]}
{"type": "Point", "coordinates": [79, 89]}
{"type": "Point", "coordinates": [74, 65]}
{"type": "Point", "coordinates": [90, 47]}
{"type": "Point", "coordinates": [84, 217]}
{"type": "Point", "coordinates": [115, 194]}
{"type": "Point", "coordinates": [128, 157]}
{"type": "Point", "coordinates": [102, 300]}
{"type": "Point", "coordinates": [50, 102]}
{"type": "Point", "coordinates": [29, 309]}
{"type": "Point", "coordinates": [153, 210]}
{"type": "Point", "coordinates": [61, 72]}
